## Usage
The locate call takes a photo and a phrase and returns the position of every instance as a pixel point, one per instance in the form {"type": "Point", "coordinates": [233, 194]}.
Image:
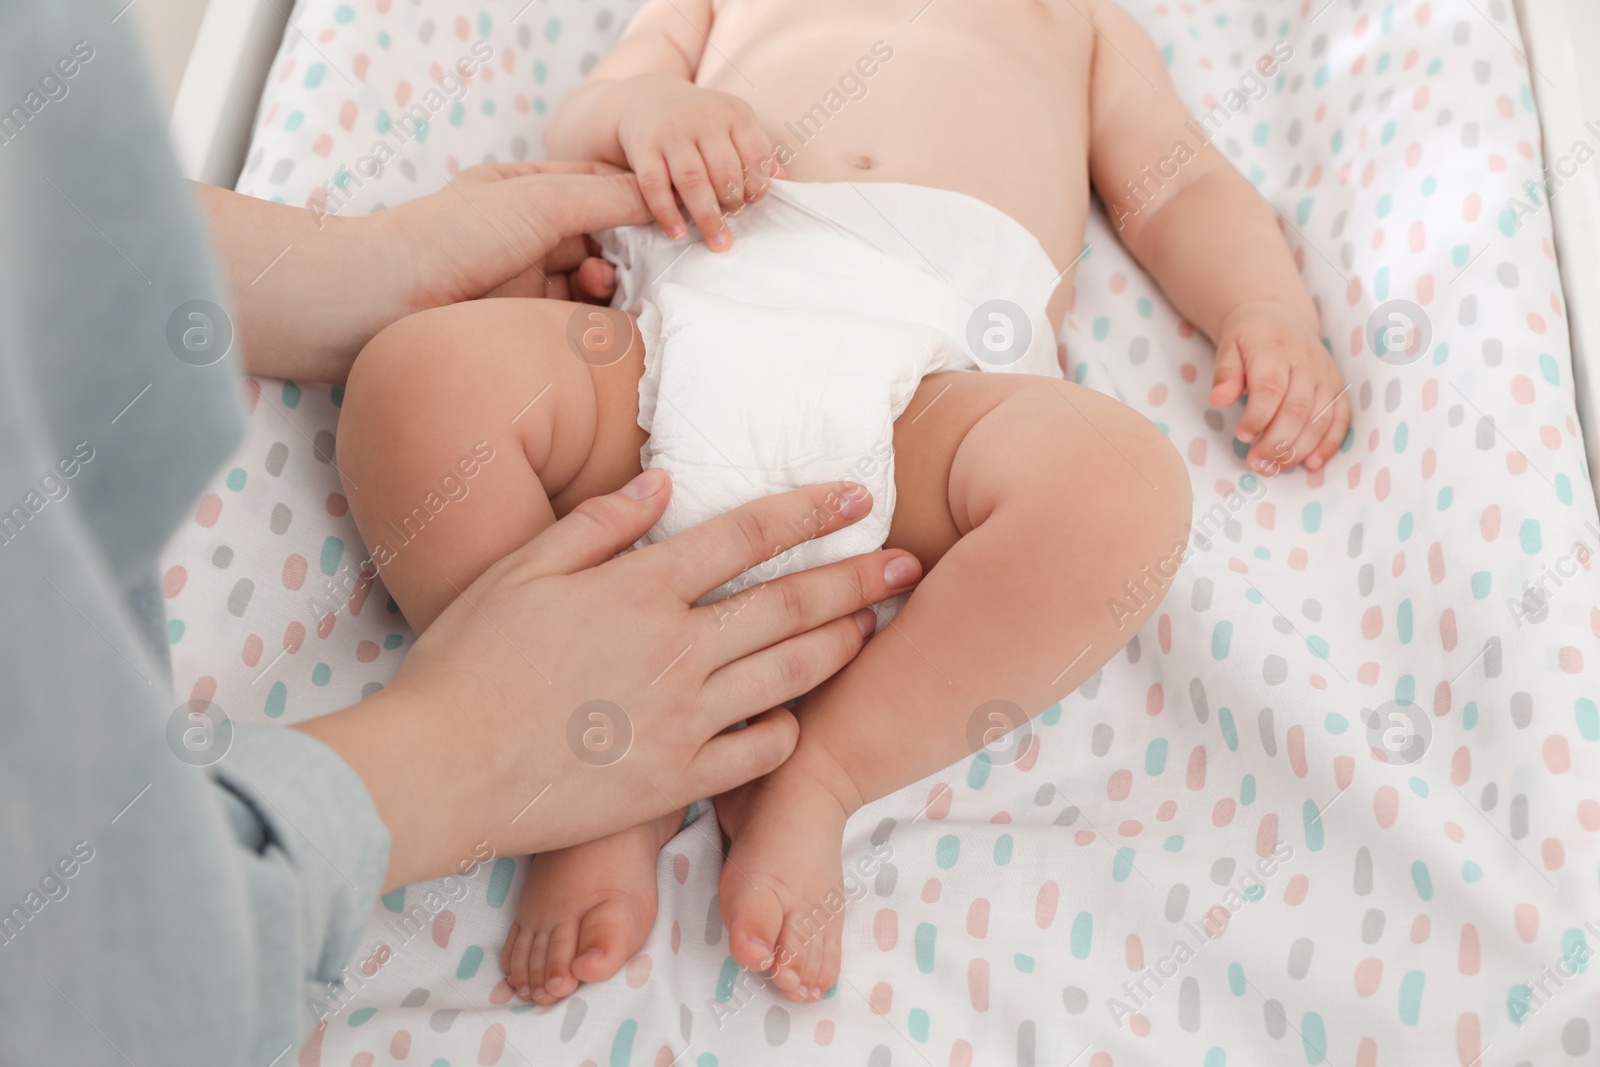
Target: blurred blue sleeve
{"type": "Point", "coordinates": [158, 904]}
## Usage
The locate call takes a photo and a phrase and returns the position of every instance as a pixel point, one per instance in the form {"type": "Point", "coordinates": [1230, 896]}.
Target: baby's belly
{"type": "Point", "coordinates": [989, 100]}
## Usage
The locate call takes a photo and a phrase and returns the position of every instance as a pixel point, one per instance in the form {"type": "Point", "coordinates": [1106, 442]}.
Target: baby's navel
{"type": "Point", "coordinates": [861, 162]}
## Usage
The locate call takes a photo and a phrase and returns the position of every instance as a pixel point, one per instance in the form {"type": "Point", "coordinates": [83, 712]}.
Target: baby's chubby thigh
{"type": "Point", "coordinates": [543, 394]}
{"type": "Point", "coordinates": [605, 342]}
{"type": "Point", "coordinates": [927, 436]}
{"type": "Point", "coordinates": [1064, 493]}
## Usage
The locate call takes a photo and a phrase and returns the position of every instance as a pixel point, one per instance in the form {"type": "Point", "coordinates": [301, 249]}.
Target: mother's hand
{"type": "Point", "coordinates": [567, 694]}
{"type": "Point", "coordinates": [512, 229]}
{"type": "Point", "coordinates": [311, 288]}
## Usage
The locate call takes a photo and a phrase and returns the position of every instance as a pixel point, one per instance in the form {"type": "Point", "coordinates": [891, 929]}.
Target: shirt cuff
{"type": "Point", "coordinates": [289, 793]}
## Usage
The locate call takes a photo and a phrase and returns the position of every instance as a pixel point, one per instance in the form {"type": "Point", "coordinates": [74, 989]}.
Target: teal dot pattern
{"type": "Point", "coordinates": [1200, 861]}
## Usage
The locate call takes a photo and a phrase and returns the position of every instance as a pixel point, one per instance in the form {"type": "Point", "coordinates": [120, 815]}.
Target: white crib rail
{"type": "Point", "coordinates": [216, 103]}
{"type": "Point", "coordinates": [1557, 33]}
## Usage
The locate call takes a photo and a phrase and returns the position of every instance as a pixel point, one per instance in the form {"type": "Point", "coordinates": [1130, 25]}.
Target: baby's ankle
{"type": "Point", "coordinates": [817, 764]}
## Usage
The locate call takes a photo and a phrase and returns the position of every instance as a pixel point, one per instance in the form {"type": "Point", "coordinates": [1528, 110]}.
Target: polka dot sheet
{"type": "Point", "coordinates": [1338, 803]}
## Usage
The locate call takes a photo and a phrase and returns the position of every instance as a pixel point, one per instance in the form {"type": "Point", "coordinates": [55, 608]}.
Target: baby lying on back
{"type": "Point", "coordinates": [890, 202]}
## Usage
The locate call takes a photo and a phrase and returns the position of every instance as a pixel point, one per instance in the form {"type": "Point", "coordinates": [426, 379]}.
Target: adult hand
{"type": "Point", "coordinates": [512, 229]}
{"type": "Point", "coordinates": [481, 736]}
{"type": "Point", "coordinates": [311, 288]}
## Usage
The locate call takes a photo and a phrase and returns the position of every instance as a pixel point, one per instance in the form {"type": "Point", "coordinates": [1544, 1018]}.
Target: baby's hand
{"type": "Point", "coordinates": [705, 143]}
{"type": "Point", "coordinates": [1297, 411]}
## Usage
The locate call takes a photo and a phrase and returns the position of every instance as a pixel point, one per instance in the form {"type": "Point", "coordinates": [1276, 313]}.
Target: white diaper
{"type": "Point", "coordinates": [785, 361]}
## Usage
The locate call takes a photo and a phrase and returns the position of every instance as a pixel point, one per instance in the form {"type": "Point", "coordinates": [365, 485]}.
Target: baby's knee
{"type": "Point", "coordinates": [406, 356]}
{"type": "Point", "coordinates": [1138, 478]}
{"type": "Point", "coordinates": [1074, 454]}
{"type": "Point", "coordinates": [1161, 475]}
{"type": "Point", "coordinates": [1155, 525]}
{"type": "Point", "coordinates": [387, 385]}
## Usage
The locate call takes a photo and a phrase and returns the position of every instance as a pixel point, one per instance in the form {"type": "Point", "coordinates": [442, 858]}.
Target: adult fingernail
{"type": "Point", "coordinates": [901, 571]}
{"type": "Point", "coordinates": [855, 501]}
{"type": "Point", "coordinates": [645, 485]}
{"type": "Point", "coordinates": [1246, 436]}
{"type": "Point", "coordinates": [866, 621]}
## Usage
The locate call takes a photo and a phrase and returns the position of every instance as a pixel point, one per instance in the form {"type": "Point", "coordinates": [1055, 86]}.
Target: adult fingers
{"type": "Point", "coordinates": [531, 282]}
{"type": "Point", "coordinates": [531, 215]}
{"type": "Point", "coordinates": [576, 204]}
{"type": "Point", "coordinates": [763, 614]}
{"type": "Point", "coordinates": [734, 758]}
{"type": "Point", "coordinates": [1277, 442]}
{"type": "Point", "coordinates": [565, 256]}
{"type": "Point", "coordinates": [594, 281]}
{"type": "Point", "coordinates": [698, 560]}
{"type": "Point", "coordinates": [782, 672]}
{"type": "Point", "coordinates": [474, 236]}
{"type": "Point", "coordinates": [688, 169]}
{"type": "Point", "coordinates": [493, 172]}
{"type": "Point", "coordinates": [598, 528]}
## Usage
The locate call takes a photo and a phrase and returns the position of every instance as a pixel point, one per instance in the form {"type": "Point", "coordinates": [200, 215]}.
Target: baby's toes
{"type": "Point", "coordinates": [753, 915]}
{"type": "Point", "coordinates": [608, 935]}
{"type": "Point", "coordinates": [829, 976]}
{"type": "Point", "coordinates": [514, 959]}
{"type": "Point", "coordinates": [810, 988]}
{"type": "Point", "coordinates": [506, 953]}
{"type": "Point", "coordinates": [794, 956]}
{"type": "Point", "coordinates": [538, 964]}
{"type": "Point", "coordinates": [558, 979]}
{"type": "Point", "coordinates": [806, 947]}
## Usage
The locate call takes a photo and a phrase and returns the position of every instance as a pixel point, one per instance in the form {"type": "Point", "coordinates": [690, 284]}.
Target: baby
{"type": "Point", "coordinates": [890, 201]}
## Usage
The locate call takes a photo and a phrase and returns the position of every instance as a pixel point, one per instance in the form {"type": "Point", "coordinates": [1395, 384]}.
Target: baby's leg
{"type": "Point", "coordinates": [1031, 502]}
{"type": "Point", "coordinates": [493, 384]}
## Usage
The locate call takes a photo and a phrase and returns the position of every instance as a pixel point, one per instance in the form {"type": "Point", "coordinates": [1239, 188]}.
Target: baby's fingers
{"type": "Point", "coordinates": [756, 157]}
{"type": "Point", "coordinates": [1276, 450]}
{"type": "Point", "coordinates": [689, 175]}
{"type": "Point", "coordinates": [655, 185]}
{"type": "Point", "coordinates": [1315, 431]}
{"type": "Point", "coordinates": [1337, 428]}
{"type": "Point", "coordinates": [1267, 382]}
{"type": "Point", "coordinates": [1227, 385]}
{"type": "Point", "coordinates": [725, 170]}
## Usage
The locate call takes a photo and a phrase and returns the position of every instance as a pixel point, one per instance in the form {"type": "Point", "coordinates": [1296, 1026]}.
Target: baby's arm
{"type": "Point", "coordinates": [640, 108]}
{"type": "Point", "coordinates": [1213, 244]}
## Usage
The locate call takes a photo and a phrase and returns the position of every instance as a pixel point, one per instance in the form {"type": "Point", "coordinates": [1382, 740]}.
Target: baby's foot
{"type": "Point", "coordinates": [584, 912]}
{"type": "Point", "coordinates": [782, 887]}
